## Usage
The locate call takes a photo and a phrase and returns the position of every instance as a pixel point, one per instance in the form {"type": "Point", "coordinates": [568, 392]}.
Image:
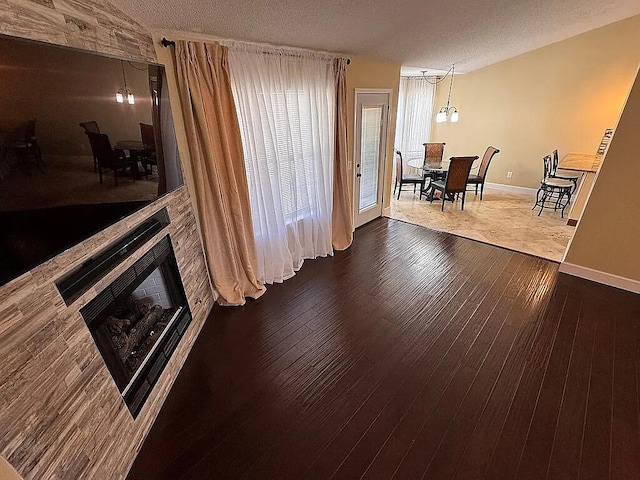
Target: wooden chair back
{"type": "Point", "coordinates": [102, 151]}
{"type": "Point", "coordinates": [148, 137]}
{"type": "Point", "coordinates": [90, 127]}
{"type": "Point", "coordinates": [399, 172]}
{"type": "Point", "coordinates": [486, 160]}
{"type": "Point", "coordinates": [458, 174]}
{"type": "Point", "coordinates": [433, 154]}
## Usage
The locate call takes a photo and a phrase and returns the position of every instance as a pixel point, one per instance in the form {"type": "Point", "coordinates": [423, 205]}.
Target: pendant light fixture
{"type": "Point", "coordinates": [447, 112]}
{"type": "Point", "coordinates": [124, 91]}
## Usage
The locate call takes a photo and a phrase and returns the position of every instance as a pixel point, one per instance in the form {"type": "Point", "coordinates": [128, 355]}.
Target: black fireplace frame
{"type": "Point", "coordinates": [136, 389]}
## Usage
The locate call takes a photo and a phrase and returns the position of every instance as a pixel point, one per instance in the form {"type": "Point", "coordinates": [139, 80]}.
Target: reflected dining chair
{"type": "Point", "coordinates": [455, 181]}
{"type": "Point", "coordinates": [406, 178]}
{"type": "Point", "coordinates": [26, 146]}
{"type": "Point", "coordinates": [91, 127]}
{"type": "Point", "coordinates": [552, 190]}
{"type": "Point", "coordinates": [148, 156]}
{"type": "Point", "coordinates": [109, 159]}
{"type": "Point", "coordinates": [479, 178]}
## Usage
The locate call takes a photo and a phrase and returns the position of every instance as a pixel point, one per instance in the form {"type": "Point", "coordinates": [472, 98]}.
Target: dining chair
{"type": "Point", "coordinates": [433, 154]}
{"type": "Point", "coordinates": [25, 146]}
{"type": "Point", "coordinates": [552, 190]}
{"type": "Point", "coordinates": [91, 127]}
{"type": "Point", "coordinates": [455, 181]}
{"type": "Point", "coordinates": [109, 159]}
{"type": "Point", "coordinates": [479, 178]}
{"type": "Point", "coordinates": [432, 165]}
{"type": "Point", "coordinates": [572, 177]}
{"type": "Point", "coordinates": [406, 178]}
{"type": "Point", "coordinates": [148, 156]}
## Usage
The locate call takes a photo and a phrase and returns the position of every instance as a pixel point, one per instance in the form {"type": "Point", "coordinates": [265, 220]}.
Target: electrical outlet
{"type": "Point", "coordinates": [509, 174]}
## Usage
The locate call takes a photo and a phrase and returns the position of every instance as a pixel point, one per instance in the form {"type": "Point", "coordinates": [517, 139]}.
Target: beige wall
{"type": "Point", "coordinates": [61, 88]}
{"type": "Point", "coordinates": [561, 96]}
{"type": "Point", "coordinates": [363, 73]}
{"type": "Point", "coordinates": [608, 235]}
{"type": "Point", "coordinates": [7, 472]}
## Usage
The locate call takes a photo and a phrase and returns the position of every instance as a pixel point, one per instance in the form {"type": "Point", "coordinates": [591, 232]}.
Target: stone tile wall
{"type": "Point", "coordinates": [61, 414]}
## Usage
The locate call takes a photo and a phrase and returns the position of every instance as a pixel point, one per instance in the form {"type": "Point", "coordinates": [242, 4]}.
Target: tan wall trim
{"type": "Point", "coordinates": [616, 281]}
{"type": "Point", "coordinates": [512, 188]}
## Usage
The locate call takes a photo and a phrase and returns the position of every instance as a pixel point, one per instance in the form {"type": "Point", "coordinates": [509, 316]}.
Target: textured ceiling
{"type": "Point", "coordinates": [418, 33]}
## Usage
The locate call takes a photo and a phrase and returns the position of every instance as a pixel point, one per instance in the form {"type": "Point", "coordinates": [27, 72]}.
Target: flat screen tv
{"type": "Point", "coordinates": [85, 140]}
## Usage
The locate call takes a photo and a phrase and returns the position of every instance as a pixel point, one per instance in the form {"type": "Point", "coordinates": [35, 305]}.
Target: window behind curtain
{"type": "Point", "coordinates": [286, 109]}
{"type": "Point", "coordinates": [415, 112]}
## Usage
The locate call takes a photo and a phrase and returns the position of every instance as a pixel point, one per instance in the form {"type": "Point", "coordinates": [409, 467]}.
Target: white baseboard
{"type": "Point", "coordinates": [601, 277]}
{"type": "Point", "coordinates": [512, 188]}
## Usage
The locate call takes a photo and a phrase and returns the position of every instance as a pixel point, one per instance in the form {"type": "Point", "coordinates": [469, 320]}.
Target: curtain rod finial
{"type": "Point", "coordinates": [166, 43]}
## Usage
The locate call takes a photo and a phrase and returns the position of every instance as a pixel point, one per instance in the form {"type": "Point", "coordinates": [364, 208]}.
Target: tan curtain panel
{"type": "Point", "coordinates": [342, 216]}
{"type": "Point", "coordinates": [217, 169]}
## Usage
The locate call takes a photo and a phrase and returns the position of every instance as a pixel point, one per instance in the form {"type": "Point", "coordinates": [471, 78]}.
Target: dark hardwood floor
{"type": "Point", "coordinates": [414, 354]}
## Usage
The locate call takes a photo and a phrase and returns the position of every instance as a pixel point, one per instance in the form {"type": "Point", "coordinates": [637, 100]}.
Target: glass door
{"type": "Point", "coordinates": [372, 115]}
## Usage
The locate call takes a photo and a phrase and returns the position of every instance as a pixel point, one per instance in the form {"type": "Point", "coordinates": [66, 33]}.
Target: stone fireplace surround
{"type": "Point", "coordinates": [61, 414]}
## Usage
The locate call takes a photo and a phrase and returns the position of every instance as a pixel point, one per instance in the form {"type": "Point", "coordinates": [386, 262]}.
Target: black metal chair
{"type": "Point", "coordinates": [109, 159]}
{"type": "Point", "coordinates": [479, 178]}
{"type": "Point", "coordinates": [553, 190]}
{"type": "Point", "coordinates": [408, 178]}
{"type": "Point", "coordinates": [572, 177]}
{"type": "Point", "coordinates": [456, 180]}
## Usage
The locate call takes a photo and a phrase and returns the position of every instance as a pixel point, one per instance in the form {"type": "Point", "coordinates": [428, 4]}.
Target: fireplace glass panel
{"type": "Point", "coordinates": [138, 321]}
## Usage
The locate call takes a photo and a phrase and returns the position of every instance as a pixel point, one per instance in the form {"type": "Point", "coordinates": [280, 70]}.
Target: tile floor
{"type": "Point", "coordinates": [501, 218]}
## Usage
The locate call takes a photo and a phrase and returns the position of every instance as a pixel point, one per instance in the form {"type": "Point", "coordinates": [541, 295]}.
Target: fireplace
{"type": "Point", "coordinates": [138, 321]}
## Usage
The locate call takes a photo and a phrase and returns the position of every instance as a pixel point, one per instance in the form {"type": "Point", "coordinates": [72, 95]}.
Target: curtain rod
{"type": "Point", "coordinates": [170, 43]}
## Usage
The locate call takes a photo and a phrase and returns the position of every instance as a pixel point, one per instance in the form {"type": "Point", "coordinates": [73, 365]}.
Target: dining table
{"type": "Point", "coordinates": [419, 164]}
{"type": "Point", "coordinates": [136, 150]}
{"type": "Point", "coordinates": [433, 172]}
{"type": "Point", "coordinates": [588, 164]}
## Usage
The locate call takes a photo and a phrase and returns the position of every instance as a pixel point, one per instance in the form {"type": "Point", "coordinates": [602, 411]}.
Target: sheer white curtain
{"type": "Point", "coordinates": [286, 109]}
{"type": "Point", "coordinates": [415, 111]}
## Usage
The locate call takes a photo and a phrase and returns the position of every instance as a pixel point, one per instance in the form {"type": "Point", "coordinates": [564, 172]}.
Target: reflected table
{"type": "Point", "coordinates": [136, 151]}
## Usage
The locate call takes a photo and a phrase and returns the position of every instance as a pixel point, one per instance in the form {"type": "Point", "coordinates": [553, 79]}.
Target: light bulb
{"type": "Point", "coordinates": [119, 97]}
{"type": "Point", "coordinates": [454, 116]}
{"type": "Point", "coordinates": [131, 99]}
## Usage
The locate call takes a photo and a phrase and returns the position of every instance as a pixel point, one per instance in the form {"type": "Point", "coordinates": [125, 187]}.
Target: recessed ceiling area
{"type": "Point", "coordinates": [420, 33]}
{"type": "Point", "coordinates": [421, 72]}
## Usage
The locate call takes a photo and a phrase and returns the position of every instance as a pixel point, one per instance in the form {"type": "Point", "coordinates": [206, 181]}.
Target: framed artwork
{"type": "Point", "coordinates": [606, 138]}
